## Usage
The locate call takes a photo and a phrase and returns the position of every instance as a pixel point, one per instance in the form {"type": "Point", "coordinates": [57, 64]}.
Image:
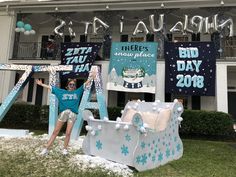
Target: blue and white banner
{"type": "Point", "coordinates": [133, 67]}
{"type": "Point", "coordinates": [81, 56]}
{"type": "Point", "coordinates": [190, 68]}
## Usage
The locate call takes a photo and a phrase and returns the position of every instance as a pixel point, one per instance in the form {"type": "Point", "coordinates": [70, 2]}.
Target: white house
{"type": "Point", "coordinates": [43, 15]}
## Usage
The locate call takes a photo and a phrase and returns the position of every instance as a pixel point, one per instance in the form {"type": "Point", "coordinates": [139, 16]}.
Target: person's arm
{"type": "Point", "coordinates": [93, 75]}
{"type": "Point", "coordinates": [39, 82]}
{"type": "Point", "coordinates": [87, 82]}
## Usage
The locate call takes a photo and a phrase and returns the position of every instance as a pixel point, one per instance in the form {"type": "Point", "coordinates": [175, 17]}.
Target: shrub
{"type": "Point", "coordinates": [113, 113]}
{"type": "Point", "coordinates": [195, 122]}
{"type": "Point", "coordinates": [26, 116]}
{"type": "Point", "coordinates": [207, 123]}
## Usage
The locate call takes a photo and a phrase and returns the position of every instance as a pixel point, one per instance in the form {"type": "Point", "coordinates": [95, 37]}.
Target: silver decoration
{"type": "Point", "coordinates": [56, 30]}
{"type": "Point", "coordinates": [102, 24]}
{"type": "Point", "coordinates": [229, 22]}
{"type": "Point", "coordinates": [87, 24]}
{"type": "Point", "coordinates": [199, 24]}
{"type": "Point", "coordinates": [137, 30]}
{"type": "Point", "coordinates": [185, 29]}
{"type": "Point", "coordinates": [175, 27]}
{"type": "Point", "coordinates": [121, 24]}
{"type": "Point", "coordinates": [71, 32]}
{"type": "Point", "coordinates": [160, 22]}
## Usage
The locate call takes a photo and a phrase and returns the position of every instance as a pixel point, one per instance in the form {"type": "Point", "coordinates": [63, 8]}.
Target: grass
{"type": "Point", "coordinates": [200, 159]}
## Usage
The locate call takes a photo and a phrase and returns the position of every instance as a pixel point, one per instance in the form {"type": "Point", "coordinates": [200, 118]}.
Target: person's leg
{"type": "Point", "coordinates": [68, 133]}
{"type": "Point", "coordinates": [55, 133]}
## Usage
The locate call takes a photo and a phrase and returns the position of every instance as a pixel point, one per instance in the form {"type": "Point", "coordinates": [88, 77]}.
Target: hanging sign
{"type": "Point", "coordinates": [133, 67]}
{"type": "Point", "coordinates": [190, 68]}
{"type": "Point", "coordinates": [81, 56]}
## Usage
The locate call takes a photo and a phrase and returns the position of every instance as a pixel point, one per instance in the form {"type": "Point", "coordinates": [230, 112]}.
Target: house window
{"type": "Point", "coordinates": [30, 90]}
{"type": "Point", "coordinates": [83, 38]}
{"type": "Point", "coordinates": [182, 99]}
{"type": "Point", "coordinates": [196, 102]}
{"type": "Point", "coordinates": [137, 39]}
{"type": "Point", "coordinates": [230, 46]}
{"type": "Point", "coordinates": [215, 37]}
{"type": "Point", "coordinates": [121, 99]}
{"type": "Point", "coordinates": [67, 38]}
{"type": "Point", "coordinates": [196, 37]}
{"type": "Point", "coordinates": [48, 47]}
{"type": "Point", "coordinates": [39, 95]}
{"type": "Point", "coordinates": [150, 37]}
{"type": "Point", "coordinates": [169, 37]}
{"type": "Point", "coordinates": [124, 38]}
{"type": "Point", "coordinates": [97, 38]}
{"type": "Point", "coordinates": [181, 39]}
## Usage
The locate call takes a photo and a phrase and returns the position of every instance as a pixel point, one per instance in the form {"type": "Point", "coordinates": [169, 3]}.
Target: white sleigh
{"type": "Point", "coordinates": [145, 137]}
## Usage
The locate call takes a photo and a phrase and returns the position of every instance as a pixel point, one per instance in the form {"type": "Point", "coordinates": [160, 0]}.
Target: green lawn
{"type": "Point", "coordinates": [200, 159]}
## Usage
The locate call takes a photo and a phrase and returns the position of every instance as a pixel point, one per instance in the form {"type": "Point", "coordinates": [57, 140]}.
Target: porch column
{"type": "Point", "coordinates": [221, 87]}
{"type": "Point", "coordinates": [7, 23]}
{"type": "Point", "coordinates": [160, 81]}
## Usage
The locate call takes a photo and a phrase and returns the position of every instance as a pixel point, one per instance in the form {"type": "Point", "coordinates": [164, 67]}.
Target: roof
{"type": "Point", "coordinates": [101, 5]}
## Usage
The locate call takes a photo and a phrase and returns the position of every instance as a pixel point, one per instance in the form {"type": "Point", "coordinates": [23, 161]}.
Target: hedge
{"type": "Point", "coordinates": [26, 116]}
{"type": "Point", "coordinates": [195, 122]}
{"type": "Point", "coordinates": [207, 123]}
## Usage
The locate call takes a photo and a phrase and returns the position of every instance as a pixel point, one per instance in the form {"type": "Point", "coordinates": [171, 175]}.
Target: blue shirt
{"type": "Point", "coordinates": [68, 99]}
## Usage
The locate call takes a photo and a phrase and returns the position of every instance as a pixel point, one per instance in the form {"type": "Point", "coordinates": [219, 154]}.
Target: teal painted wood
{"type": "Point", "coordinates": [11, 97]}
{"type": "Point", "coordinates": [53, 104]}
{"type": "Point", "coordinates": [86, 104]}
{"type": "Point", "coordinates": [29, 69]}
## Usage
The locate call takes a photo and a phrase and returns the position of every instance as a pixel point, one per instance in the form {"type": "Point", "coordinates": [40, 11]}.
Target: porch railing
{"type": "Point", "coordinates": [35, 50]}
{"type": "Point", "coordinates": [48, 51]}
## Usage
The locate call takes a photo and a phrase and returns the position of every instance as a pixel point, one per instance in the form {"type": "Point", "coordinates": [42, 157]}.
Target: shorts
{"type": "Point", "coordinates": [67, 115]}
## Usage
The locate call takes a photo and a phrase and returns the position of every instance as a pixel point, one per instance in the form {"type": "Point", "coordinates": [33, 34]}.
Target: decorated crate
{"type": "Point", "coordinates": [145, 137]}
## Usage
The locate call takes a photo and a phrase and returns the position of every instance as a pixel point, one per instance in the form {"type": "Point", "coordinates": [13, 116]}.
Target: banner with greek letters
{"type": "Point", "coordinates": [190, 68]}
{"type": "Point", "coordinates": [133, 67]}
{"type": "Point", "coordinates": [80, 55]}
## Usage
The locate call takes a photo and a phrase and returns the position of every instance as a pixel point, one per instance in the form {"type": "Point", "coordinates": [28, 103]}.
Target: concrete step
{"type": "Point", "coordinates": [13, 132]}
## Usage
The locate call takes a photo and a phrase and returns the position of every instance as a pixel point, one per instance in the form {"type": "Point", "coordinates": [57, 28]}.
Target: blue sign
{"type": "Point", "coordinates": [133, 67]}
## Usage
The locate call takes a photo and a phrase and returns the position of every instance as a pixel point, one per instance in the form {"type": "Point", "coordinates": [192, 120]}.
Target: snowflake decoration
{"type": "Point", "coordinates": [153, 158]}
{"type": "Point", "coordinates": [143, 145]}
{"type": "Point", "coordinates": [138, 159]}
{"type": "Point", "coordinates": [178, 147]}
{"type": "Point", "coordinates": [160, 157]}
{"type": "Point", "coordinates": [173, 152]}
{"type": "Point", "coordinates": [124, 150]}
{"type": "Point", "coordinates": [167, 153]}
{"type": "Point", "coordinates": [99, 145]}
{"type": "Point", "coordinates": [128, 137]}
{"type": "Point", "coordinates": [144, 159]}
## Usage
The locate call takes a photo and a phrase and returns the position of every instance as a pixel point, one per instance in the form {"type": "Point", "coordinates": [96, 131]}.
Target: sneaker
{"type": "Point", "coordinates": [44, 152]}
{"type": "Point", "coordinates": [65, 152]}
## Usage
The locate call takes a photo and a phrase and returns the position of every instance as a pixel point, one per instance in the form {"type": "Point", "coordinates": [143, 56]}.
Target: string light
{"type": "Point", "coordinates": [162, 5]}
{"type": "Point", "coordinates": [222, 3]}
